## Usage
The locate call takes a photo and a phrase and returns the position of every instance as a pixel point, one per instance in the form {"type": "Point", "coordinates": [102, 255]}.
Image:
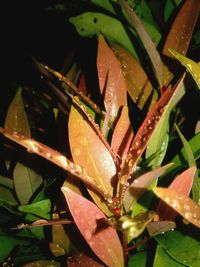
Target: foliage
{"type": "Point", "coordinates": [85, 191]}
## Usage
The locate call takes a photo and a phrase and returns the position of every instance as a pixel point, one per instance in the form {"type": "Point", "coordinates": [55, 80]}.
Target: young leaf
{"type": "Point", "coordinates": [182, 204]}
{"type": "Point", "coordinates": [122, 134]}
{"type": "Point", "coordinates": [140, 184]}
{"type": "Point", "coordinates": [182, 28]}
{"type": "Point", "coordinates": [154, 56]}
{"type": "Point", "coordinates": [156, 228]}
{"type": "Point", "coordinates": [192, 67]}
{"type": "Point", "coordinates": [137, 82]}
{"type": "Point", "coordinates": [111, 80]}
{"type": "Point", "coordinates": [181, 184]}
{"type": "Point", "coordinates": [26, 182]}
{"type": "Point", "coordinates": [90, 153]}
{"type": "Point", "coordinates": [16, 119]}
{"type": "Point", "coordinates": [103, 241]}
{"type": "Point", "coordinates": [52, 155]}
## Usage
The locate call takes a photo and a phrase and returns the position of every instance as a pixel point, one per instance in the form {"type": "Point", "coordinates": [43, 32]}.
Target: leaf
{"type": "Point", "coordinates": [103, 241]}
{"type": "Point", "coordinates": [122, 134]}
{"type": "Point", "coordinates": [16, 119]}
{"type": "Point", "coordinates": [181, 184]}
{"type": "Point", "coordinates": [26, 182]}
{"type": "Point", "coordinates": [140, 184]}
{"type": "Point", "coordinates": [91, 24]}
{"type": "Point", "coordinates": [164, 260]}
{"type": "Point", "coordinates": [138, 85]}
{"type": "Point", "coordinates": [41, 208]}
{"type": "Point", "coordinates": [154, 56]}
{"type": "Point", "coordinates": [191, 162]}
{"type": "Point", "coordinates": [7, 197]}
{"type": "Point", "coordinates": [182, 28]}
{"type": "Point", "coordinates": [156, 228]}
{"type": "Point", "coordinates": [52, 155]}
{"type": "Point", "coordinates": [111, 80]}
{"type": "Point", "coordinates": [158, 142]}
{"type": "Point", "coordinates": [90, 153]}
{"type": "Point", "coordinates": [182, 247]}
{"type": "Point", "coordinates": [138, 259]}
{"type": "Point", "coordinates": [192, 67]}
{"type": "Point", "coordinates": [42, 263]}
{"type": "Point", "coordinates": [182, 204]}
{"type": "Point", "coordinates": [7, 182]}
{"type": "Point", "coordinates": [80, 260]}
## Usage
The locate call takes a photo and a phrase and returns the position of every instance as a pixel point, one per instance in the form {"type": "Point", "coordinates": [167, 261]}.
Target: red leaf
{"type": "Point", "coordinates": [102, 239]}
{"type": "Point", "coordinates": [111, 81]}
{"type": "Point", "coordinates": [181, 184]}
{"type": "Point", "coordinates": [123, 134]}
{"type": "Point", "coordinates": [80, 260]}
{"type": "Point", "coordinates": [182, 204]}
{"type": "Point", "coordinates": [182, 28]}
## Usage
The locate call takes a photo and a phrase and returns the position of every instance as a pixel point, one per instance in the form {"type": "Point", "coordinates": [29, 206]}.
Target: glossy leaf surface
{"type": "Point", "coordinates": [122, 134]}
{"type": "Point", "coordinates": [182, 28]}
{"type": "Point", "coordinates": [111, 80]}
{"type": "Point", "coordinates": [140, 184]}
{"type": "Point", "coordinates": [16, 119]}
{"type": "Point", "coordinates": [88, 217]}
{"type": "Point", "coordinates": [138, 85]}
{"type": "Point", "coordinates": [191, 66]}
{"type": "Point", "coordinates": [182, 204]}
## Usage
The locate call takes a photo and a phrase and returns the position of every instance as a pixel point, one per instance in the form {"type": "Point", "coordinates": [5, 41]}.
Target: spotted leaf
{"type": "Point", "coordinates": [182, 28]}
{"type": "Point", "coordinates": [156, 228]}
{"type": "Point", "coordinates": [111, 80]}
{"type": "Point", "coordinates": [181, 184]}
{"type": "Point", "coordinates": [90, 220]}
{"type": "Point", "coordinates": [182, 204]}
{"type": "Point", "coordinates": [191, 66]}
{"type": "Point", "coordinates": [52, 155]}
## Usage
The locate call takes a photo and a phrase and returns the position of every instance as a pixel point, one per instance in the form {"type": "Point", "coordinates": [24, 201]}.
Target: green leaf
{"type": "Point", "coordinates": [41, 208]}
{"type": "Point", "coordinates": [16, 119]}
{"type": "Point", "coordinates": [181, 247]}
{"type": "Point", "coordinates": [42, 263]}
{"type": "Point", "coordinates": [92, 24]}
{"type": "Point", "coordinates": [7, 197]}
{"type": "Point", "coordinates": [138, 259]}
{"type": "Point", "coordinates": [26, 182]}
{"type": "Point", "coordinates": [191, 66]}
{"type": "Point", "coordinates": [164, 260]}
{"type": "Point", "coordinates": [7, 182]}
{"type": "Point", "coordinates": [191, 162]}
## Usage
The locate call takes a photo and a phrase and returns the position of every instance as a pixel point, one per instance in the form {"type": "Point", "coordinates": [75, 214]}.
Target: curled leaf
{"type": "Point", "coordinates": [182, 204]}
{"type": "Point", "coordinates": [90, 220]}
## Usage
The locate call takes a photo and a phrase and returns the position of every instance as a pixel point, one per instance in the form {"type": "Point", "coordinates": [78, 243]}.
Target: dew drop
{"type": "Point", "coordinates": [87, 235]}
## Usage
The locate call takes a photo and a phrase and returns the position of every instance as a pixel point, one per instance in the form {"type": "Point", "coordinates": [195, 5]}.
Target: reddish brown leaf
{"type": "Point", "coordinates": [182, 204]}
{"type": "Point", "coordinates": [80, 260]}
{"type": "Point", "coordinates": [140, 184]}
{"type": "Point", "coordinates": [90, 153]}
{"type": "Point", "coordinates": [90, 220]}
{"type": "Point", "coordinates": [123, 134]}
{"type": "Point", "coordinates": [52, 155]}
{"type": "Point", "coordinates": [181, 184]}
{"type": "Point", "coordinates": [111, 81]}
{"type": "Point", "coordinates": [16, 119]}
{"type": "Point", "coordinates": [137, 82]}
{"type": "Point", "coordinates": [182, 28]}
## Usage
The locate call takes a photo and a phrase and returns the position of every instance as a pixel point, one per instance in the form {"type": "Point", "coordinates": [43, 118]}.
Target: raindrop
{"type": "Point", "coordinates": [48, 155]}
{"type": "Point", "coordinates": [87, 235]}
{"type": "Point", "coordinates": [188, 67]}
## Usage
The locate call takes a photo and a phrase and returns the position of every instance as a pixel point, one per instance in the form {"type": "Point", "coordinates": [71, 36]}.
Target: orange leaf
{"type": "Point", "coordinates": [137, 82]}
{"type": "Point", "coordinates": [90, 153]}
{"type": "Point", "coordinates": [182, 204]}
{"type": "Point", "coordinates": [90, 220]}
{"type": "Point", "coordinates": [111, 80]}
{"type": "Point", "coordinates": [123, 134]}
{"type": "Point", "coordinates": [181, 184]}
{"type": "Point", "coordinates": [182, 28]}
